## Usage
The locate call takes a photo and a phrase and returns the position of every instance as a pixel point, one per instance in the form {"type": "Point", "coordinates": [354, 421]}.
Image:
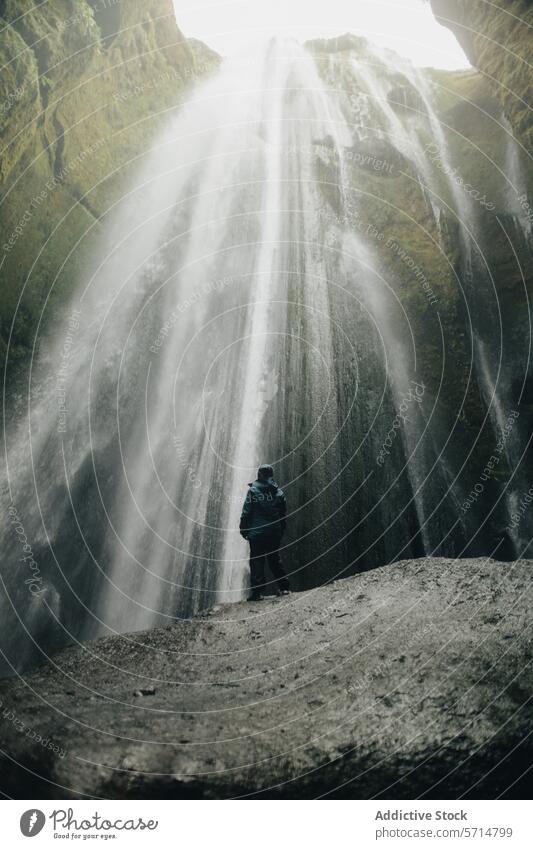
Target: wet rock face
{"type": "Point", "coordinates": [443, 130]}
{"type": "Point", "coordinates": [496, 37]}
{"type": "Point", "coordinates": [84, 88]}
{"type": "Point", "coordinates": [408, 681]}
{"type": "Point", "coordinates": [405, 98]}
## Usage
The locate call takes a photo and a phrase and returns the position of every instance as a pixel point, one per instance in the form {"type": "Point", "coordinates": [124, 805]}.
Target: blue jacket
{"type": "Point", "coordinates": [264, 511]}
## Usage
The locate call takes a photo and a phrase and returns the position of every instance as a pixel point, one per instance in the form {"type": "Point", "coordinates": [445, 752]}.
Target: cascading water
{"type": "Point", "coordinates": [516, 183]}
{"type": "Point", "coordinates": [424, 461]}
{"type": "Point", "coordinates": [241, 310]}
{"type": "Point", "coordinates": [262, 327]}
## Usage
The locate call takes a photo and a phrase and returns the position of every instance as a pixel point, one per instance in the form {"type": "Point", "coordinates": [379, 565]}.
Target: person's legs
{"type": "Point", "coordinates": [257, 567]}
{"type": "Point", "coordinates": [275, 566]}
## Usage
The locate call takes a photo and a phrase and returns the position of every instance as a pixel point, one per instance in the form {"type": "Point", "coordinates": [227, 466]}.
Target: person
{"type": "Point", "coordinates": [263, 520]}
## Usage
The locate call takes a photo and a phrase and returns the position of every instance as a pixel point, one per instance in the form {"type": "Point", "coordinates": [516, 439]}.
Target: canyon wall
{"type": "Point", "coordinates": [85, 85]}
{"type": "Point", "coordinates": [497, 38]}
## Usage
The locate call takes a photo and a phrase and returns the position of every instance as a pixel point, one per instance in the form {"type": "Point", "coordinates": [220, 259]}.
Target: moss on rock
{"type": "Point", "coordinates": [82, 97]}
{"type": "Point", "coordinates": [497, 39]}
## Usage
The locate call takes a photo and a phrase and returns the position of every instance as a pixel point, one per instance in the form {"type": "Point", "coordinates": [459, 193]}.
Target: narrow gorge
{"type": "Point", "coordinates": [331, 271]}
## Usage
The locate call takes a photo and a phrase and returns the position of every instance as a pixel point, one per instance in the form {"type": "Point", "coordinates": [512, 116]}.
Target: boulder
{"type": "Point", "coordinates": [409, 681]}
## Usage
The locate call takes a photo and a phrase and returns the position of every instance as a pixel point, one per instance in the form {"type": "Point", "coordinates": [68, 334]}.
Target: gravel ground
{"type": "Point", "coordinates": [413, 680]}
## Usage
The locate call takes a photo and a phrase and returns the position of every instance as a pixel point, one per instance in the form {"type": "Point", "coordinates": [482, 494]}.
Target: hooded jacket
{"type": "Point", "coordinates": [264, 511]}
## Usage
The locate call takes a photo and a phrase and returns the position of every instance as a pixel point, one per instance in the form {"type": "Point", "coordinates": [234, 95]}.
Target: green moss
{"type": "Point", "coordinates": [497, 39]}
{"type": "Point", "coordinates": [86, 112]}
{"type": "Point", "coordinates": [412, 255]}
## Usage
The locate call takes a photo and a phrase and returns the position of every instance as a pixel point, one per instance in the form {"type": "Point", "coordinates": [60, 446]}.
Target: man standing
{"type": "Point", "coordinates": [263, 525]}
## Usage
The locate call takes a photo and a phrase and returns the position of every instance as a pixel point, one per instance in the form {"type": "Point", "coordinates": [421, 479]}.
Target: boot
{"type": "Point", "coordinates": [257, 595]}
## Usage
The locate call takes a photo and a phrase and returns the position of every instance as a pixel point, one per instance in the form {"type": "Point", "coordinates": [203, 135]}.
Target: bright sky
{"type": "Point", "coordinates": [406, 26]}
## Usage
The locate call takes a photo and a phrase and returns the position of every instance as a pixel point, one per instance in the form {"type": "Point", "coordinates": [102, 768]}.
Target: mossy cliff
{"type": "Point", "coordinates": [496, 37]}
{"type": "Point", "coordinates": [436, 188]}
{"type": "Point", "coordinates": [85, 85]}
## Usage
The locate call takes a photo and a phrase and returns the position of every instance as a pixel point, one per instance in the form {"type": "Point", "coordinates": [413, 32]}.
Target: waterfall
{"type": "Point", "coordinates": [409, 136]}
{"type": "Point", "coordinates": [180, 350]}
{"type": "Point", "coordinates": [241, 309]}
{"type": "Point", "coordinates": [516, 183]}
{"type": "Point", "coordinates": [262, 326]}
{"type": "Point", "coordinates": [507, 428]}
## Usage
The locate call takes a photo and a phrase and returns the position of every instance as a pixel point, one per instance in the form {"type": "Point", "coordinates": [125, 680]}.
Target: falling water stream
{"type": "Point", "coordinates": [236, 314]}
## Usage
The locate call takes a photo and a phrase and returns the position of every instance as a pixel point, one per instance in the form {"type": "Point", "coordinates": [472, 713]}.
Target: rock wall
{"type": "Point", "coordinates": [497, 39]}
{"type": "Point", "coordinates": [84, 87]}
{"type": "Point", "coordinates": [423, 239]}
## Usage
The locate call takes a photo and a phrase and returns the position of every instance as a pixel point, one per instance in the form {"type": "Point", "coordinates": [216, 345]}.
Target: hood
{"type": "Point", "coordinates": [268, 484]}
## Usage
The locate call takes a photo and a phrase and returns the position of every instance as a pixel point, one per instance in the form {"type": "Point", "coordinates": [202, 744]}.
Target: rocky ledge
{"type": "Point", "coordinates": [413, 680]}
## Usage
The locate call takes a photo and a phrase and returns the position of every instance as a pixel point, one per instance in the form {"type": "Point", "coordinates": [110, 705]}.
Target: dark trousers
{"type": "Point", "coordinates": [269, 549]}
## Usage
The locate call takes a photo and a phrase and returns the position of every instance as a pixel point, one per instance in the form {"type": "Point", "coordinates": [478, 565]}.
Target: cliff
{"type": "Point", "coordinates": [84, 87]}
{"type": "Point", "coordinates": [497, 39]}
{"type": "Point", "coordinates": [444, 129]}
{"type": "Point", "coordinates": [409, 681]}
